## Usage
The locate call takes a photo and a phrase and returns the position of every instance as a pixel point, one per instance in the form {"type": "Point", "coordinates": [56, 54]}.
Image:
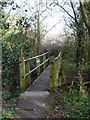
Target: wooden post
{"type": "Point", "coordinates": [27, 70]}
{"type": "Point", "coordinates": [44, 65]}
{"type": "Point", "coordinates": [58, 63]}
{"type": "Point", "coordinates": [49, 55]}
{"type": "Point", "coordinates": [56, 73]}
{"type": "Point", "coordinates": [38, 63]}
{"type": "Point", "coordinates": [52, 73]}
{"type": "Point", "coordinates": [22, 73]}
{"type": "Point", "coordinates": [60, 79]}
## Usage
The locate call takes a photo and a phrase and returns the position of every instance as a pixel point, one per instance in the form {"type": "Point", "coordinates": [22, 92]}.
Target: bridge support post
{"type": "Point", "coordinates": [27, 79]}
{"type": "Point", "coordinates": [52, 73]}
{"type": "Point", "coordinates": [49, 53]}
{"type": "Point", "coordinates": [22, 73]}
{"type": "Point", "coordinates": [49, 56]}
{"type": "Point", "coordinates": [60, 79]}
{"type": "Point", "coordinates": [44, 65]}
{"type": "Point", "coordinates": [38, 63]}
{"type": "Point", "coordinates": [58, 64]}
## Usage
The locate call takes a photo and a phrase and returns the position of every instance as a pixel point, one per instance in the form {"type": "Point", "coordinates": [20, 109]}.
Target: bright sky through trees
{"type": "Point", "coordinates": [50, 21]}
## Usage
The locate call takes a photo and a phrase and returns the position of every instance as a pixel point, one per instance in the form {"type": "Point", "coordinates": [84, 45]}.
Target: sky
{"type": "Point", "coordinates": [54, 16]}
{"type": "Point", "coordinates": [50, 20]}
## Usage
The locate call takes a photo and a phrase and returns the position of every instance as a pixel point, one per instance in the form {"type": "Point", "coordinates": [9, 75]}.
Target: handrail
{"type": "Point", "coordinates": [35, 57]}
{"type": "Point", "coordinates": [58, 56]}
{"type": "Point", "coordinates": [24, 68]}
{"type": "Point", "coordinates": [36, 67]}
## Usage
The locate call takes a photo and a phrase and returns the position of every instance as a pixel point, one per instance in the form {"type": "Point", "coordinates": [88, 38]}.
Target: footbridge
{"type": "Point", "coordinates": [35, 98]}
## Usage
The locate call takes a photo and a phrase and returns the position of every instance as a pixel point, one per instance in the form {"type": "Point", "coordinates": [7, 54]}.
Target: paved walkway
{"type": "Point", "coordinates": [35, 101]}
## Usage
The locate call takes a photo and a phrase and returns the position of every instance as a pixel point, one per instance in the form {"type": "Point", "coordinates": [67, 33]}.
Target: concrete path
{"type": "Point", "coordinates": [35, 101]}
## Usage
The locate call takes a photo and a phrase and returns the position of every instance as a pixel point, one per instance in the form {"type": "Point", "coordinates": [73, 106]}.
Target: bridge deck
{"type": "Point", "coordinates": [34, 102]}
{"type": "Point", "coordinates": [41, 83]}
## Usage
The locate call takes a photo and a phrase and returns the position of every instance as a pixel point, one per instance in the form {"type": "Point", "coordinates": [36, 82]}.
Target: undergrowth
{"type": "Point", "coordinates": [70, 105]}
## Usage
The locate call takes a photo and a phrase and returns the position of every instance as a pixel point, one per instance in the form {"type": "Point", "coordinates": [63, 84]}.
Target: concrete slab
{"type": "Point", "coordinates": [35, 101]}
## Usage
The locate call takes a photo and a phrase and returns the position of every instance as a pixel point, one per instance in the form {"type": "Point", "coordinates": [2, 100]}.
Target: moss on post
{"type": "Point", "coordinates": [22, 73]}
{"type": "Point", "coordinates": [49, 54]}
{"type": "Point", "coordinates": [52, 73]}
{"type": "Point", "coordinates": [58, 64]}
{"type": "Point", "coordinates": [27, 70]}
{"type": "Point", "coordinates": [44, 65]}
{"type": "Point", "coordinates": [56, 73]}
{"type": "Point", "coordinates": [60, 79]}
{"type": "Point", "coordinates": [38, 63]}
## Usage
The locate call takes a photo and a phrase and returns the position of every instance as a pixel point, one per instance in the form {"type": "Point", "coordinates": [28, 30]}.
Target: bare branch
{"type": "Point", "coordinates": [49, 30]}
{"type": "Point", "coordinates": [8, 14]}
{"type": "Point", "coordinates": [74, 11]}
{"type": "Point", "coordinates": [66, 11]}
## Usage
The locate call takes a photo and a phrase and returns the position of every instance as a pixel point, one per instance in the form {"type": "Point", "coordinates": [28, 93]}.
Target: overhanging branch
{"type": "Point", "coordinates": [49, 30]}
{"type": "Point", "coordinates": [66, 11]}
{"type": "Point", "coordinates": [74, 11]}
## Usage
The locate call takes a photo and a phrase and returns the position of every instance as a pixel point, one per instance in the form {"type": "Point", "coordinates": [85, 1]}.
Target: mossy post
{"type": "Point", "coordinates": [58, 63]}
{"type": "Point", "coordinates": [38, 63]}
{"type": "Point", "coordinates": [22, 73]}
{"type": "Point", "coordinates": [27, 70]}
{"type": "Point", "coordinates": [56, 73]}
{"type": "Point", "coordinates": [52, 73]}
{"type": "Point", "coordinates": [48, 57]}
{"type": "Point", "coordinates": [44, 59]}
{"type": "Point", "coordinates": [49, 54]}
{"type": "Point", "coordinates": [60, 79]}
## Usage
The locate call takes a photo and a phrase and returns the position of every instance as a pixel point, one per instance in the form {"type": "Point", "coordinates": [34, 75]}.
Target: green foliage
{"type": "Point", "coordinates": [71, 105]}
{"type": "Point", "coordinates": [75, 105]}
{"type": "Point", "coordinates": [10, 55]}
{"type": "Point", "coordinates": [5, 94]}
{"type": "Point", "coordinates": [68, 71]}
{"type": "Point", "coordinates": [8, 109]}
{"type": "Point", "coordinates": [7, 113]}
{"type": "Point", "coordinates": [69, 48]}
{"type": "Point", "coordinates": [12, 42]}
{"type": "Point", "coordinates": [10, 74]}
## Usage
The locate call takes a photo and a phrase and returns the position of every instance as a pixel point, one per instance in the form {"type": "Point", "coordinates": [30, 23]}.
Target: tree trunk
{"type": "Point", "coordinates": [79, 56]}
{"type": "Point", "coordinates": [84, 14]}
{"type": "Point", "coordinates": [38, 29]}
